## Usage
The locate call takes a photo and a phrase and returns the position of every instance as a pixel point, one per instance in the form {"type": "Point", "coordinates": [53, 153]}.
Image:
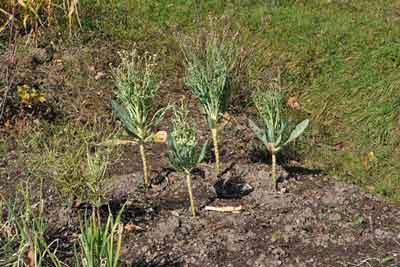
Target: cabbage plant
{"type": "Point", "coordinates": [184, 153]}
{"type": "Point", "coordinates": [275, 133]}
{"type": "Point", "coordinates": [136, 89]}
{"type": "Point", "coordinates": [210, 73]}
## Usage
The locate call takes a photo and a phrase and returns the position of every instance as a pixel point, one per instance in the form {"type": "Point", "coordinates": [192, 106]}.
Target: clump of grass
{"type": "Point", "coordinates": [184, 154]}
{"type": "Point", "coordinates": [97, 163]}
{"type": "Point", "coordinates": [136, 89]}
{"type": "Point", "coordinates": [276, 132]}
{"type": "Point", "coordinates": [210, 74]}
{"type": "Point", "coordinates": [24, 235]}
{"type": "Point", "coordinates": [100, 244]}
{"type": "Point", "coordinates": [61, 158]}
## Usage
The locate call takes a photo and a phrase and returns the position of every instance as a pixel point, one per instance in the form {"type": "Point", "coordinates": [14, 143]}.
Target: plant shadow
{"type": "Point", "coordinates": [158, 261]}
{"type": "Point", "coordinates": [288, 159]}
{"type": "Point", "coordinates": [258, 154]}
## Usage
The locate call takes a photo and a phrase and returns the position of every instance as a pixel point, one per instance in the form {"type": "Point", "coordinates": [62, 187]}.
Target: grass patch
{"type": "Point", "coordinates": [61, 158]}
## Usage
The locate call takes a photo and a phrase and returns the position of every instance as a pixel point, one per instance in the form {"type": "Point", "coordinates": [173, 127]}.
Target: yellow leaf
{"type": "Point", "coordinates": [371, 156]}
{"type": "Point", "coordinates": [41, 99]}
{"type": "Point", "coordinates": [34, 93]}
{"type": "Point", "coordinates": [160, 137]}
{"type": "Point", "coordinates": [276, 236]}
{"type": "Point", "coordinates": [23, 93]}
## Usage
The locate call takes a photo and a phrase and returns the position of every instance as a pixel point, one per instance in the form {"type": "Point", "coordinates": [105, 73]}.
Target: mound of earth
{"type": "Point", "coordinates": [312, 221]}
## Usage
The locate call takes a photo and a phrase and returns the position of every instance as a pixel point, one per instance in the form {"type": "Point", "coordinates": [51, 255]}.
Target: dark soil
{"type": "Point", "coordinates": [312, 221]}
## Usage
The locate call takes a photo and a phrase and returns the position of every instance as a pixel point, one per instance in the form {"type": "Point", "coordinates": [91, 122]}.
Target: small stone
{"type": "Point", "coordinates": [278, 253]}
{"type": "Point", "coordinates": [335, 217]}
{"type": "Point", "coordinates": [40, 56]}
{"type": "Point", "coordinates": [100, 75]}
{"type": "Point", "coordinates": [283, 190]}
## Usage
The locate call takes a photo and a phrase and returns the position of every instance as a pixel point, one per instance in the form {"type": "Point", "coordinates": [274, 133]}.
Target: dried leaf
{"type": "Point", "coordinates": [294, 162]}
{"type": "Point", "coordinates": [130, 227]}
{"type": "Point", "coordinates": [227, 118]}
{"type": "Point", "coordinates": [118, 142]}
{"type": "Point", "coordinates": [30, 258]}
{"type": "Point", "coordinates": [293, 103]}
{"type": "Point", "coordinates": [57, 61]}
{"type": "Point", "coordinates": [225, 209]}
{"type": "Point", "coordinates": [76, 204]}
{"type": "Point", "coordinates": [339, 146]}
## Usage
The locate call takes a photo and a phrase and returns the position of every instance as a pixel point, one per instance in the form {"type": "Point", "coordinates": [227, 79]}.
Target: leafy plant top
{"type": "Point", "coordinates": [276, 133]}
{"type": "Point", "coordinates": [184, 154]}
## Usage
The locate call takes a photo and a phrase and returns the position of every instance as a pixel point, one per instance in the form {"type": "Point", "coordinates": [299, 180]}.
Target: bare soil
{"type": "Point", "coordinates": [312, 221]}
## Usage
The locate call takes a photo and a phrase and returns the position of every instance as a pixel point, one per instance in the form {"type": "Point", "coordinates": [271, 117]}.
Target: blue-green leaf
{"type": "Point", "coordinates": [258, 132]}
{"type": "Point", "coordinates": [123, 116]}
{"type": "Point", "coordinates": [202, 152]}
{"type": "Point", "coordinates": [297, 131]}
{"type": "Point", "coordinates": [159, 116]}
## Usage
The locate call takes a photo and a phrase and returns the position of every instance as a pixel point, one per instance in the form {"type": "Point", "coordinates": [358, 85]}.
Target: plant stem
{"type": "Point", "coordinates": [214, 133]}
{"type": "Point", "coordinates": [145, 166]}
{"type": "Point", "coordinates": [189, 185]}
{"type": "Point", "coordinates": [274, 169]}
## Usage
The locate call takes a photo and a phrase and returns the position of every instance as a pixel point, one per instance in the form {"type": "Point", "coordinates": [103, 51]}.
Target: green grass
{"type": "Point", "coordinates": [58, 154]}
{"type": "Point", "coordinates": [341, 58]}
{"type": "Point", "coordinates": [23, 232]}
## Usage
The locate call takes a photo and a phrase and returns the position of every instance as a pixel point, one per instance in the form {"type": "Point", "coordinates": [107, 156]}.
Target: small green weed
{"type": "Point", "coordinates": [97, 163]}
{"type": "Point", "coordinates": [61, 158]}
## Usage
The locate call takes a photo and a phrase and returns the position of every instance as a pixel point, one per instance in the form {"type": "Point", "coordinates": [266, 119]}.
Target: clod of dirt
{"type": "Point", "coordinates": [232, 187]}
{"type": "Point", "coordinates": [166, 227]}
{"type": "Point", "coordinates": [41, 56]}
{"type": "Point", "coordinates": [123, 185]}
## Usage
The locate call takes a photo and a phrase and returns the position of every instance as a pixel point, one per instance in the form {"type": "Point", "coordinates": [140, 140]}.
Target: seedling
{"type": "Point", "coordinates": [209, 73]}
{"type": "Point", "coordinates": [184, 154]}
{"type": "Point", "coordinates": [136, 88]}
{"type": "Point", "coordinates": [275, 135]}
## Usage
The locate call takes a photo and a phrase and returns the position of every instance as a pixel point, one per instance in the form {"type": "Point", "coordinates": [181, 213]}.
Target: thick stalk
{"type": "Point", "coordinates": [274, 180]}
{"type": "Point", "coordinates": [214, 133]}
{"type": "Point", "coordinates": [145, 166]}
{"type": "Point", "coordinates": [189, 185]}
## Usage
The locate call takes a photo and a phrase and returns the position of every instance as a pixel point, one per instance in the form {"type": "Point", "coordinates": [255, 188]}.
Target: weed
{"type": "Point", "coordinates": [276, 133]}
{"type": "Point", "coordinates": [100, 244]}
{"type": "Point", "coordinates": [24, 232]}
{"type": "Point", "coordinates": [61, 157]}
{"type": "Point", "coordinates": [97, 163]}
{"type": "Point", "coordinates": [136, 88]}
{"type": "Point", "coordinates": [183, 154]}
